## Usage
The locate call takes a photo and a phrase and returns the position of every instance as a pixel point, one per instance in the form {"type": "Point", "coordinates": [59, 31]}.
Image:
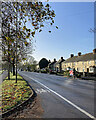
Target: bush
{"type": "Point", "coordinates": [77, 74]}
{"type": "Point", "coordinates": [66, 73]}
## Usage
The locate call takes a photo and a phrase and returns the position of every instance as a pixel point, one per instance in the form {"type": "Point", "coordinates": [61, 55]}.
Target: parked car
{"type": "Point", "coordinates": [52, 72]}
{"type": "Point", "coordinates": [43, 70]}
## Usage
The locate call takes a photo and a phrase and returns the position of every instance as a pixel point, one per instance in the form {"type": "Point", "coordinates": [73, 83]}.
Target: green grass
{"type": "Point", "coordinates": [1, 71]}
{"type": "Point", "coordinates": [14, 93]}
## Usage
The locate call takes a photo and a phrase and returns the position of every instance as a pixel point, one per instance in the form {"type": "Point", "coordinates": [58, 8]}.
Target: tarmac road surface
{"type": "Point", "coordinates": [63, 97]}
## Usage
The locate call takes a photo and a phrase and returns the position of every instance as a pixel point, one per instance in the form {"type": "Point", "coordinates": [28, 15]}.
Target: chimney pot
{"type": "Point", "coordinates": [54, 60]}
{"type": "Point", "coordinates": [79, 54]}
{"type": "Point", "coordinates": [94, 51]}
{"type": "Point", "coordinates": [61, 58]}
{"type": "Point", "coordinates": [49, 61]}
{"type": "Point", "coordinates": [72, 55]}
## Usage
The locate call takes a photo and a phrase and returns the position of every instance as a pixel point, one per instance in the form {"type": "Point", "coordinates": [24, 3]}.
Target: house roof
{"type": "Point", "coordinates": [85, 57]}
{"type": "Point", "coordinates": [52, 63]}
{"type": "Point", "coordinates": [59, 61]}
{"type": "Point", "coordinates": [73, 59]}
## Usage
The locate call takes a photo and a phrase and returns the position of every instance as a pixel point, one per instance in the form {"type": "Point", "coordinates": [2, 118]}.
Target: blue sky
{"type": "Point", "coordinates": [74, 21]}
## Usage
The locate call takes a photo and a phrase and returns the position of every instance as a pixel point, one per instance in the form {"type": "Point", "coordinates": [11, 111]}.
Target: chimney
{"type": "Point", "coordinates": [79, 53]}
{"type": "Point", "coordinates": [72, 55]}
{"type": "Point", "coordinates": [94, 51]}
{"type": "Point", "coordinates": [54, 60]}
{"type": "Point", "coordinates": [61, 58]}
{"type": "Point", "coordinates": [49, 61]}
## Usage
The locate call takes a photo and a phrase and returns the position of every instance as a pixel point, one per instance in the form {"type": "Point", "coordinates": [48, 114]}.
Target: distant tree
{"type": "Point", "coordinates": [43, 63]}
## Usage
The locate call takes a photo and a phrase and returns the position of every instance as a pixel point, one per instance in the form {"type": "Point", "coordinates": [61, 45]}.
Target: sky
{"type": "Point", "coordinates": [74, 20]}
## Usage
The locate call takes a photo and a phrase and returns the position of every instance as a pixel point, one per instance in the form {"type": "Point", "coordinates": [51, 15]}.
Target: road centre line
{"type": "Point", "coordinates": [68, 101]}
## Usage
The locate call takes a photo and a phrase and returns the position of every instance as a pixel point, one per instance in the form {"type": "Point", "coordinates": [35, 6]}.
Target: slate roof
{"type": "Point", "coordinates": [85, 57]}
{"type": "Point", "coordinates": [52, 63]}
{"type": "Point", "coordinates": [59, 61]}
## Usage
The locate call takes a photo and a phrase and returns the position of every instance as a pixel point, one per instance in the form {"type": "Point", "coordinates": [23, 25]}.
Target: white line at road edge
{"type": "Point", "coordinates": [80, 109]}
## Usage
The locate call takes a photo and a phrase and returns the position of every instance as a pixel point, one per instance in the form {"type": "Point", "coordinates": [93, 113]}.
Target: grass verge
{"type": "Point", "coordinates": [1, 71]}
{"type": "Point", "coordinates": [14, 93]}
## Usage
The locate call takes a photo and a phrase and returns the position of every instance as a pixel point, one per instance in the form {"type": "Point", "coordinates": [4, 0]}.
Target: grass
{"type": "Point", "coordinates": [14, 93]}
{"type": "Point", "coordinates": [1, 71]}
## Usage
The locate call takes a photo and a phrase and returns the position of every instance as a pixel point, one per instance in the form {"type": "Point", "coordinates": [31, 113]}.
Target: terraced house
{"type": "Point", "coordinates": [51, 65]}
{"type": "Point", "coordinates": [58, 66]}
{"type": "Point", "coordinates": [85, 63]}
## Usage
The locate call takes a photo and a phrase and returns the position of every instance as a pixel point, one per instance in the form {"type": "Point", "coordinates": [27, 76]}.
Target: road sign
{"type": "Point", "coordinates": [71, 72]}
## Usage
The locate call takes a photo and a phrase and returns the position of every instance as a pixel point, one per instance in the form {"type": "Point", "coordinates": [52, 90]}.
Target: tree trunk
{"type": "Point", "coordinates": [8, 55]}
{"type": "Point", "coordinates": [13, 66]}
{"type": "Point", "coordinates": [16, 37]}
{"type": "Point", "coordinates": [8, 62]}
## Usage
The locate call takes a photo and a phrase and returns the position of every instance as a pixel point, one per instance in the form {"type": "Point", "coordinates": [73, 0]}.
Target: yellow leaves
{"type": "Point", "coordinates": [47, 5]}
{"type": "Point", "coordinates": [19, 60]}
{"type": "Point", "coordinates": [23, 58]}
{"type": "Point", "coordinates": [21, 14]}
{"type": "Point", "coordinates": [33, 33]}
{"type": "Point", "coordinates": [24, 27]}
{"type": "Point", "coordinates": [9, 43]}
{"type": "Point", "coordinates": [41, 25]}
{"type": "Point", "coordinates": [18, 36]}
{"type": "Point", "coordinates": [12, 59]}
{"type": "Point", "coordinates": [40, 30]}
{"type": "Point", "coordinates": [57, 27]}
{"type": "Point", "coordinates": [7, 38]}
{"type": "Point", "coordinates": [19, 10]}
{"type": "Point", "coordinates": [27, 36]}
{"type": "Point", "coordinates": [25, 14]}
{"type": "Point", "coordinates": [52, 21]}
{"type": "Point", "coordinates": [8, 25]}
{"type": "Point", "coordinates": [25, 43]}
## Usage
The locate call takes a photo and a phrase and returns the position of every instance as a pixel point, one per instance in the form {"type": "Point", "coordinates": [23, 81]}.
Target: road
{"type": "Point", "coordinates": [62, 97]}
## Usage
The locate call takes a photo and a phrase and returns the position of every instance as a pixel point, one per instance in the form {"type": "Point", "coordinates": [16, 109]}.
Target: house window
{"type": "Point", "coordinates": [95, 62]}
{"type": "Point", "coordinates": [89, 62]}
{"type": "Point", "coordinates": [91, 69]}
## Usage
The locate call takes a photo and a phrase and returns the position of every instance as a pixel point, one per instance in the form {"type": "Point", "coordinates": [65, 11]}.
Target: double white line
{"type": "Point", "coordinates": [77, 107]}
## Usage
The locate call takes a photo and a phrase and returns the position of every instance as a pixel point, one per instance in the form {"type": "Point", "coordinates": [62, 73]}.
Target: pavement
{"type": "Point", "coordinates": [62, 97]}
{"type": "Point", "coordinates": [3, 76]}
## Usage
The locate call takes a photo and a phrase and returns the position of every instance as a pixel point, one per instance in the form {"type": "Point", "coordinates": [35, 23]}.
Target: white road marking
{"type": "Point", "coordinates": [68, 101]}
{"type": "Point", "coordinates": [41, 91]}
